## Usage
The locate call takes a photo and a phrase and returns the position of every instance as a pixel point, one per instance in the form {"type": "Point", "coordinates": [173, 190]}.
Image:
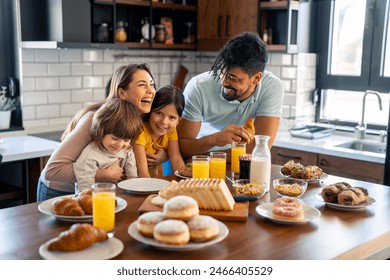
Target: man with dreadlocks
{"type": "Point", "coordinates": [220, 101]}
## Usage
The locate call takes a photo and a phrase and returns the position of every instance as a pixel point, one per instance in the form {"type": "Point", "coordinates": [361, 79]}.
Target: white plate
{"type": "Point", "coordinates": [99, 251]}
{"type": "Point", "coordinates": [181, 176]}
{"type": "Point", "coordinates": [361, 206]}
{"type": "Point", "coordinates": [45, 208]}
{"type": "Point", "coordinates": [143, 185]}
{"type": "Point", "coordinates": [322, 177]}
{"type": "Point", "coordinates": [310, 213]}
{"type": "Point", "coordinates": [133, 231]}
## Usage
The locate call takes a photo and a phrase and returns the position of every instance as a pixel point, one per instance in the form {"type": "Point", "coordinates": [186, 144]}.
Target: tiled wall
{"type": "Point", "coordinates": [59, 82]}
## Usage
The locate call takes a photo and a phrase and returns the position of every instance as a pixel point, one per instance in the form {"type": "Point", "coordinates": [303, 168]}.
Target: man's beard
{"type": "Point", "coordinates": [229, 97]}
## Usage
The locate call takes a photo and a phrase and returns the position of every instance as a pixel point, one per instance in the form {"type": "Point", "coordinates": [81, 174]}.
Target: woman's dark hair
{"type": "Point", "coordinates": [164, 96]}
{"type": "Point", "coordinates": [122, 77]}
{"type": "Point", "coordinates": [246, 51]}
{"type": "Point", "coordinates": [118, 117]}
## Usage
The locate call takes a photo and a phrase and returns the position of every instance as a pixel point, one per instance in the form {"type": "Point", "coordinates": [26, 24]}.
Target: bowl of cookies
{"type": "Point", "coordinates": [291, 187]}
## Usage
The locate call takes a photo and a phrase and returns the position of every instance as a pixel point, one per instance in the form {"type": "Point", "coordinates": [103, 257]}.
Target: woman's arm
{"type": "Point", "coordinates": [174, 155]}
{"type": "Point", "coordinates": [60, 165]}
{"type": "Point", "coordinates": [141, 160]}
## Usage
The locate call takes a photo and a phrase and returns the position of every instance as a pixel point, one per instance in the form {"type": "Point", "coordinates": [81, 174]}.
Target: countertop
{"type": "Point", "coordinates": [334, 234]}
{"type": "Point", "coordinates": [29, 146]}
{"type": "Point", "coordinates": [15, 148]}
{"type": "Point", "coordinates": [326, 146]}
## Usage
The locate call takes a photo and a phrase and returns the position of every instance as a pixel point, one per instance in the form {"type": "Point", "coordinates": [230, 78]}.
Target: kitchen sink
{"type": "Point", "coordinates": [365, 146]}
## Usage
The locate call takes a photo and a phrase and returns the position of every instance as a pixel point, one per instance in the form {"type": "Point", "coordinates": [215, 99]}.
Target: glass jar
{"type": "Point", "coordinates": [261, 162]}
{"type": "Point", "coordinates": [145, 30]}
{"type": "Point", "coordinates": [160, 33]}
{"type": "Point", "coordinates": [102, 33]}
{"type": "Point", "coordinates": [120, 32]}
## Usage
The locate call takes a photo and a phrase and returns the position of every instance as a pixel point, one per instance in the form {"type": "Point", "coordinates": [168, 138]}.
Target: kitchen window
{"type": "Point", "coordinates": [354, 56]}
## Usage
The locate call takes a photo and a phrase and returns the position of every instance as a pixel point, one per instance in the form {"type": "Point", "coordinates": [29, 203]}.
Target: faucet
{"type": "Point", "coordinates": [360, 129]}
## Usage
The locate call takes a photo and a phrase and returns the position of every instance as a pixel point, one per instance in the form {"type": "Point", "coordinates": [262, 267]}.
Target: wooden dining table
{"type": "Point", "coordinates": [335, 234]}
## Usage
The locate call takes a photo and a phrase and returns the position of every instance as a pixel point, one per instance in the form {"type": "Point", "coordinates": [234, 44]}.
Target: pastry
{"type": "Point", "coordinates": [174, 232]}
{"type": "Point", "coordinates": [147, 221]}
{"type": "Point", "coordinates": [67, 207]}
{"type": "Point", "coordinates": [352, 196]}
{"type": "Point", "coordinates": [311, 172]}
{"type": "Point", "coordinates": [78, 237]}
{"type": "Point", "coordinates": [288, 208]}
{"type": "Point", "coordinates": [84, 199]}
{"type": "Point", "coordinates": [158, 201]}
{"type": "Point", "coordinates": [181, 207]}
{"type": "Point", "coordinates": [330, 193]}
{"type": "Point", "coordinates": [250, 127]}
{"type": "Point", "coordinates": [203, 228]}
{"type": "Point", "coordinates": [289, 166]}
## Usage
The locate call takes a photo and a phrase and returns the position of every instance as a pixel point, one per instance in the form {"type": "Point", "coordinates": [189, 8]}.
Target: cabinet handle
{"type": "Point", "coordinates": [227, 26]}
{"type": "Point", "coordinates": [288, 156]}
{"type": "Point", "coordinates": [324, 162]}
{"type": "Point", "coordinates": [220, 26]}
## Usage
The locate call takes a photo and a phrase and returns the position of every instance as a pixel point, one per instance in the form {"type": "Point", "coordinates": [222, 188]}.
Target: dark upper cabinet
{"type": "Point", "coordinates": [57, 23]}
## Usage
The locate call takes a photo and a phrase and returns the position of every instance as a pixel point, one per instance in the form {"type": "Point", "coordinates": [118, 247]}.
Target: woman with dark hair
{"type": "Point", "coordinates": [133, 83]}
{"type": "Point", "coordinates": [159, 131]}
{"type": "Point", "coordinates": [219, 102]}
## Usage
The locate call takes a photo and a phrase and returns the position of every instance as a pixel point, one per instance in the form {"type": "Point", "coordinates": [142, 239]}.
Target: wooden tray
{"type": "Point", "coordinates": [239, 213]}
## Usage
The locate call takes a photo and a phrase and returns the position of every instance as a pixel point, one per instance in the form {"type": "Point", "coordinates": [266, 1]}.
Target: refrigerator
{"type": "Point", "coordinates": [10, 60]}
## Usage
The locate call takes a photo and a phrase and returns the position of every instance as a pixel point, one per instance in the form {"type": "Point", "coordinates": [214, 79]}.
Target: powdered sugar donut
{"type": "Point", "coordinates": [203, 228]}
{"type": "Point", "coordinates": [147, 221]}
{"type": "Point", "coordinates": [173, 232]}
{"type": "Point", "coordinates": [181, 207]}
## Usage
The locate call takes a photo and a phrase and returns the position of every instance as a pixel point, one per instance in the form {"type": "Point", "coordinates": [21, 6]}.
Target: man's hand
{"type": "Point", "coordinates": [232, 133]}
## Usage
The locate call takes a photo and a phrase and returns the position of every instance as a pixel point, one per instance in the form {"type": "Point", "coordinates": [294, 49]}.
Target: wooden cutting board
{"type": "Point", "coordinates": [239, 213]}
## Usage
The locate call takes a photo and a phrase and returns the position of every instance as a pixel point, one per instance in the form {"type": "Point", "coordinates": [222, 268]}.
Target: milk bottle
{"type": "Point", "coordinates": [261, 162]}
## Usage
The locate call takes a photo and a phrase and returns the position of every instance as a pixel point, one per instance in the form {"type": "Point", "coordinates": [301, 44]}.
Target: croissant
{"type": "Point", "coordinates": [78, 237]}
{"type": "Point", "coordinates": [330, 193]}
{"type": "Point", "coordinates": [250, 127]}
{"type": "Point", "coordinates": [84, 199]}
{"type": "Point", "coordinates": [67, 207]}
{"type": "Point", "coordinates": [353, 196]}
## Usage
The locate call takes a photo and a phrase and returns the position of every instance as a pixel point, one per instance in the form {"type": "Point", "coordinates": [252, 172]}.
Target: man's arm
{"type": "Point", "coordinates": [266, 126]}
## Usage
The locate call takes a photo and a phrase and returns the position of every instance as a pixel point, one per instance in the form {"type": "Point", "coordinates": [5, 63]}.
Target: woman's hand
{"type": "Point", "coordinates": [158, 158]}
{"type": "Point", "coordinates": [112, 173]}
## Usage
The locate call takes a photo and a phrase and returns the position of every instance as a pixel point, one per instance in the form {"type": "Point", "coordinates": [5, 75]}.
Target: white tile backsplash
{"type": "Point", "coordinates": [58, 83]}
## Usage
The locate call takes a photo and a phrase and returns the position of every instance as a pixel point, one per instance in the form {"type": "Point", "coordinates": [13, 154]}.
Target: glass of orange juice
{"type": "Point", "coordinates": [238, 148]}
{"type": "Point", "coordinates": [218, 165]}
{"type": "Point", "coordinates": [103, 207]}
{"type": "Point", "coordinates": [200, 166]}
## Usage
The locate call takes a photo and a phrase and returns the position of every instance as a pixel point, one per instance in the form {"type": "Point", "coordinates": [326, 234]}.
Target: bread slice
{"type": "Point", "coordinates": [212, 194]}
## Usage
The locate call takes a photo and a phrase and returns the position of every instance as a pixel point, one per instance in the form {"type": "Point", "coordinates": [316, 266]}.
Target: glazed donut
{"type": "Point", "coordinates": [287, 202]}
{"type": "Point", "coordinates": [181, 207]}
{"type": "Point", "coordinates": [288, 212]}
{"type": "Point", "coordinates": [147, 221]}
{"type": "Point", "coordinates": [174, 232]}
{"type": "Point", "coordinates": [203, 228]}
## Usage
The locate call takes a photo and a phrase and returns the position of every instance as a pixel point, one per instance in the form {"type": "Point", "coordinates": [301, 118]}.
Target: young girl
{"type": "Point", "coordinates": [160, 129]}
{"type": "Point", "coordinates": [114, 125]}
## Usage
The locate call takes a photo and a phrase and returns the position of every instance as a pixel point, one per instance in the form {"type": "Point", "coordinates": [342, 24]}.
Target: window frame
{"type": "Point", "coordinates": [373, 40]}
